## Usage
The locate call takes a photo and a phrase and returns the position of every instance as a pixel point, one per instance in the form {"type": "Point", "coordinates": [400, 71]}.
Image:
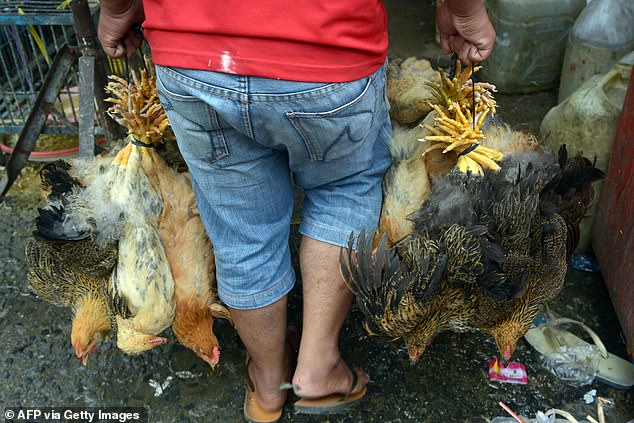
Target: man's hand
{"type": "Point", "coordinates": [465, 29]}
{"type": "Point", "coordinates": [115, 26]}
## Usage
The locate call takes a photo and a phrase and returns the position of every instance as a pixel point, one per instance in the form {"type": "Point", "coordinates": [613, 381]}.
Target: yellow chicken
{"type": "Point", "coordinates": [405, 185]}
{"type": "Point", "coordinates": [409, 98]}
{"type": "Point", "coordinates": [180, 252]}
{"type": "Point", "coordinates": [142, 286]}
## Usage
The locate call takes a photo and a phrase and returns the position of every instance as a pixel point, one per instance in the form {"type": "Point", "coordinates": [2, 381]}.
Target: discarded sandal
{"type": "Point", "coordinates": [253, 412]}
{"type": "Point", "coordinates": [333, 403]}
{"type": "Point", "coordinates": [546, 338]}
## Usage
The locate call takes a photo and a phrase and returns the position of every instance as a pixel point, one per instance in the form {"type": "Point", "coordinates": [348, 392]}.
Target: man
{"type": "Point", "coordinates": [255, 92]}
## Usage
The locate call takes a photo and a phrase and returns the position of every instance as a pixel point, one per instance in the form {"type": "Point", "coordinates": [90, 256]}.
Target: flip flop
{"type": "Point", "coordinates": [546, 339]}
{"type": "Point", "coordinates": [253, 412]}
{"type": "Point", "coordinates": [333, 403]}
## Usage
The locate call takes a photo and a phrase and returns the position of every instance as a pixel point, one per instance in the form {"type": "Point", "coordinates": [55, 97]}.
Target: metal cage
{"type": "Point", "coordinates": [31, 32]}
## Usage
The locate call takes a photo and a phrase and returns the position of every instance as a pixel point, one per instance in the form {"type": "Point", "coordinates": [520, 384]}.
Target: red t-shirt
{"type": "Point", "coordinates": [301, 40]}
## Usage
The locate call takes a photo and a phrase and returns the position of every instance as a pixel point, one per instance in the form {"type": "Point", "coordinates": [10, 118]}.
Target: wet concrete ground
{"type": "Point", "coordinates": [449, 384]}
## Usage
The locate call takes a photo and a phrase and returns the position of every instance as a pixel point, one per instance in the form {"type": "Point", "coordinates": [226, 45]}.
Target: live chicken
{"type": "Point", "coordinates": [66, 265]}
{"type": "Point", "coordinates": [180, 249]}
{"type": "Point", "coordinates": [489, 241]}
{"type": "Point", "coordinates": [191, 260]}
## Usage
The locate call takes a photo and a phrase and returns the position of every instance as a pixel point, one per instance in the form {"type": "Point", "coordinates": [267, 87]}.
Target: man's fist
{"type": "Point", "coordinates": [115, 26]}
{"type": "Point", "coordinates": [465, 29]}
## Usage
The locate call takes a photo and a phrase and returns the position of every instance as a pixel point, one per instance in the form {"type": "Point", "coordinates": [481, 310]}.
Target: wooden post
{"type": "Point", "coordinates": [89, 45]}
{"type": "Point", "coordinates": [86, 107]}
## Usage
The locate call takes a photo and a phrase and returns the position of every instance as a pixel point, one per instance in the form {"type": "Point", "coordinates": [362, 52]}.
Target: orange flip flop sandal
{"type": "Point", "coordinates": [253, 413]}
{"type": "Point", "coordinates": [333, 403]}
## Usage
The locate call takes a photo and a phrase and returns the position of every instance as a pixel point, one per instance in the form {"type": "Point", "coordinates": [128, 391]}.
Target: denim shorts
{"type": "Point", "coordinates": [242, 137]}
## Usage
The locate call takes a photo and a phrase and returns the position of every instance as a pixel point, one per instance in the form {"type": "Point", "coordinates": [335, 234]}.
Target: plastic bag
{"type": "Point", "coordinates": [602, 34]}
{"type": "Point", "coordinates": [585, 263]}
{"type": "Point", "coordinates": [576, 366]}
{"type": "Point", "coordinates": [606, 22]}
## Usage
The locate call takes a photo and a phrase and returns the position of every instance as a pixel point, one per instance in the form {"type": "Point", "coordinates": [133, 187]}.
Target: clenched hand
{"type": "Point", "coordinates": [465, 29]}
{"type": "Point", "coordinates": [115, 26]}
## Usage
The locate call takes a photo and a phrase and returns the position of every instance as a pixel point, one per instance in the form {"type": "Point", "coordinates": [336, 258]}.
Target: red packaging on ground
{"type": "Point", "coordinates": [513, 372]}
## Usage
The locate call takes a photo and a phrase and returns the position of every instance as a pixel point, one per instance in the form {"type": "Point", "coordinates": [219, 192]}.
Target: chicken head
{"type": "Point", "coordinates": [91, 324]}
{"type": "Point", "coordinates": [131, 341]}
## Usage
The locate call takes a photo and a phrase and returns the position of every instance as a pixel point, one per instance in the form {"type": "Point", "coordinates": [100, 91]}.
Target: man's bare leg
{"type": "Point", "coordinates": [320, 368]}
{"type": "Point", "coordinates": [263, 332]}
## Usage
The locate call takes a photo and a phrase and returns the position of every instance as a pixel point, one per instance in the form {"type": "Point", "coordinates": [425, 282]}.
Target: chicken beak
{"type": "Point", "coordinates": [214, 360]}
{"type": "Point", "coordinates": [507, 354]}
{"type": "Point", "coordinates": [157, 341]}
{"type": "Point", "coordinates": [414, 354]}
{"type": "Point", "coordinates": [78, 352]}
{"type": "Point", "coordinates": [81, 355]}
{"type": "Point", "coordinates": [209, 361]}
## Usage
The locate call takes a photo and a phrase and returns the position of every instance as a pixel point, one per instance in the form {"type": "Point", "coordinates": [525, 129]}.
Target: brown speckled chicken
{"type": "Point", "coordinates": [427, 284]}
{"type": "Point", "coordinates": [523, 210]}
{"type": "Point", "coordinates": [570, 192]}
{"type": "Point", "coordinates": [501, 248]}
{"type": "Point", "coordinates": [66, 266]}
{"type": "Point", "coordinates": [76, 282]}
{"type": "Point", "coordinates": [507, 203]}
{"type": "Point", "coordinates": [394, 295]}
{"type": "Point", "coordinates": [563, 202]}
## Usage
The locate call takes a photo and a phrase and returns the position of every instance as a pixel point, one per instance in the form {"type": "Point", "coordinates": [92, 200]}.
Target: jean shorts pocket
{"type": "Point", "coordinates": [196, 125]}
{"type": "Point", "coordinates": [336, 132]}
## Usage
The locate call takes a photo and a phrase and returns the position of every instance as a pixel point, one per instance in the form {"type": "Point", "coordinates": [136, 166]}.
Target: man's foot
{"type": "Point", "coordinates": [320, 381]}
{"type": "Point", "coordinates": [321, 373]}
{"type": "Point", "coordinates": [337, 401]}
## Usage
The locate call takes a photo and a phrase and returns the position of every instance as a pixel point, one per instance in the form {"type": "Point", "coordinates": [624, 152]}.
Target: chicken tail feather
{"type": "Point", "coordinates": [53, 222]}
{"type": "Point", "coordinates": [56, 179]}
{"type": "Point", "coordinates": [569, 193]}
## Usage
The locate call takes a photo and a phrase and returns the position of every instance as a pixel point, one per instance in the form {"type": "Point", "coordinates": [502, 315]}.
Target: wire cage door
{"type": "Point", "coordinates": [31, 32]}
